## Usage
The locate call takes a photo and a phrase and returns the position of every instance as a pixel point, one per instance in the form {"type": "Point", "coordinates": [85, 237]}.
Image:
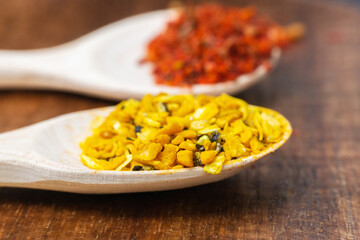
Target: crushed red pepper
{"type": "Point", "coordinates": [215, 44]}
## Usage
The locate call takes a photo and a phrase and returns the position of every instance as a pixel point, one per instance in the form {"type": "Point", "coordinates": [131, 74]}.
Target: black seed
{"type": "Point", "coordinates": [122, 107]}
{"type": "Point", "coordinates": [166, 108]}
{"type": "Point", "coordinates": [200, 147]}
{"type": "Point", "coordinates": [138, 129]}
{"type": "Point", "coordinates": [138, 168]}
{"type": "Point", "coordinates": [129, 138]}
{"type": "Point", "coordinates": [197, 161]}
{"type": "Point", "coordinates": [215, 136]}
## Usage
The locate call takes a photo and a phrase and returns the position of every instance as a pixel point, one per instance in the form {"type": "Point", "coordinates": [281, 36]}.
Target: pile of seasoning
{"type": "Point", "coordinates": [211, 43]}
{"type": "Point", "coordinates": [181, 131]}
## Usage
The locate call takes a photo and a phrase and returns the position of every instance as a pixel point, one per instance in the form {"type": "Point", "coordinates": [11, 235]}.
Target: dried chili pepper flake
{"type": "Point", "coordinates": [214, 43]}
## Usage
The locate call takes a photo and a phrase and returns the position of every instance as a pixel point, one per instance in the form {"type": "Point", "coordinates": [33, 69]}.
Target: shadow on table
{"type": "Point", "coordinates": [267, 188]}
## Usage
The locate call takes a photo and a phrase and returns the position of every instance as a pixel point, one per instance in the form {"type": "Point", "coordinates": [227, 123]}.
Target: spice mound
{"type": "Point", "coordinates": [211, 43]}
{"type": "Point", "coordinates": [173, 132]}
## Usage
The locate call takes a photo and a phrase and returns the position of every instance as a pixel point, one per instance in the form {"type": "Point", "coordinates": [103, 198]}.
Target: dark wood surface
{"type": "Point", "coordinates": [309, 189]}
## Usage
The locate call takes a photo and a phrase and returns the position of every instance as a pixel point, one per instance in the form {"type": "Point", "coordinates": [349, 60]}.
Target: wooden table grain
{"type": "Point", "coordinates": [309, 189]}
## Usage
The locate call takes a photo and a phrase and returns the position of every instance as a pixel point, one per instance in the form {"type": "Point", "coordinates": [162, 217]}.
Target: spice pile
{"type": "Point", "coordinates": [173, 132]}
{"type": "Point", "coordinates": [212, 43]}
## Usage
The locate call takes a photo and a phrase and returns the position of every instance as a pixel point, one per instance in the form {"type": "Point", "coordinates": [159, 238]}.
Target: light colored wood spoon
{"type": "Point", "coordinates": [46, 155]}
{"type": "Point", "coordinates": [105, 63]}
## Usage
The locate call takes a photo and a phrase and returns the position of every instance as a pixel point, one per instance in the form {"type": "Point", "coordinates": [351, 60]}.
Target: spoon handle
{"type": "Point", "coordinates": [68, 67]}
{"type": "Point", "coordinates": [32, 68]}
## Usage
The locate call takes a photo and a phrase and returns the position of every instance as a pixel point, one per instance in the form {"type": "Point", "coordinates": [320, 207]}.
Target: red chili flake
{"type": "Point", "coordinates": [215, 44]}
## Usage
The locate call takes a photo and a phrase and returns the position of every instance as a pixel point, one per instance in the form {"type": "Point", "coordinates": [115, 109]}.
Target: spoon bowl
{"type": "Point", "coordinates": [46, 155]}
{"type": "Point", "coordinates": [105, 63]}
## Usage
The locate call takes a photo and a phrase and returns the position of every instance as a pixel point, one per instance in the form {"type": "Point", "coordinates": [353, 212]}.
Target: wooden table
{"type": "Point", "coordinates": [309, 189]}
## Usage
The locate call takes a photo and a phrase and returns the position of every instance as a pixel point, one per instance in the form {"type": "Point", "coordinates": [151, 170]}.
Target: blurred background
{"type": "Point", "coordinates": [42, 23]}
{"type": "Point", "coordinates": [309, 189]}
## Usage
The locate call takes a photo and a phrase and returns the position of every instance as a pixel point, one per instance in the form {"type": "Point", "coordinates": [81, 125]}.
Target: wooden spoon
{"type": "Point", "coordinates": [46, 155]}
{"type": "Point", "coordinates": [105, 63]}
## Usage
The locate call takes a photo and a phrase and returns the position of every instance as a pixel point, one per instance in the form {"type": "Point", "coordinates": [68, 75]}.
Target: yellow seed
{"type": "Point", "coordinates": [178, 167]}
{"type": "Point", "coordinates": [216, 166]}
{"type": "Point", "coordinates": [198, 124]}
{"type": "Point", "coordinates": [209, 129]}
{"type": "Point", "coordinates": [168, 155]}
{"type": "Point", "coordinates": [173, 106]}
{"type": "Point", "coordinates": [172, 128]}
{"type": "Point", "coordinates": [207, 144]}
{"type": "Point", "coordinates": [151, 123]}
{"type": "Point", "coordinates": [185, 157]}
{"type": "Point", "coordinates": [188, 134]}
{"type": "Point", "coordinates": [233, 147]}
{"type": "Point", "coordinates": [188, 145]}
{"type": "Point", "coordinates": [131, 148]}
{"type": "Point", "coordinates": [246, 136]}
{"type": "Point", "coordinates": [212, 146]}
{"type": "Point", "coordinates": [256, 145]}
{"type": "Point", "coordinates": [177, 140]}
{"type": "Point", "coordinates": [149, 151]}
{"type": "Point", "coordinates": [212, 121]}
{"type": "Point", "coordinates": [207, 157]}
{"type": "Point", "coordinates": [162, 139]}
